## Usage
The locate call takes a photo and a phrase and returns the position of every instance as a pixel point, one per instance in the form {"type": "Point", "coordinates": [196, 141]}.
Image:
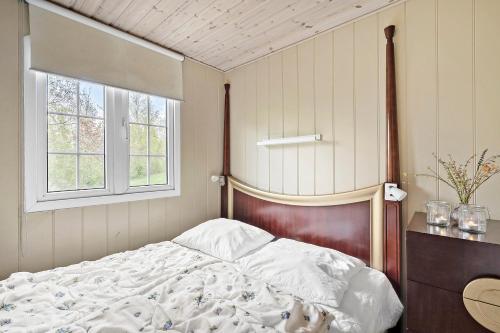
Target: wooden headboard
{"type": "Point", "coordinates": [360, 223]}
{"type": "Point", "coordinates": [332, 221]}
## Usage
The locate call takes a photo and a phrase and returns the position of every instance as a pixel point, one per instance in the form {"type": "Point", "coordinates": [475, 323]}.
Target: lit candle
{"type": "Point", "coordinates": [471, 224]}
{"type": "Point", "coordinates": [440, 219]}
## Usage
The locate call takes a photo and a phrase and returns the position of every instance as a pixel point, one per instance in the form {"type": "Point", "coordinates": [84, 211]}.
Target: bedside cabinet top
{"type": "Point", "coordinates": [441, 262]}
{"type": "Point", "coordinates": [419, 224]}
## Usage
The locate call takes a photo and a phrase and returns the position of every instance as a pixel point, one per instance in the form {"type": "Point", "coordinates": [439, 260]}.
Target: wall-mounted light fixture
{"type": "Point", "coordinates": [218, 179]}
{"type": "Point", "coordinates": [290, 140]}
{"type": "Point", "coordinates": [393, 193]}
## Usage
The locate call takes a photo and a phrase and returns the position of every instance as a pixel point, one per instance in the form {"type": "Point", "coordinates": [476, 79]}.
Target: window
{"type": "Point", "coordinates": [88, 144]}
{"type": "Point", "coordinates": [75, 135]}
{"type": "Point", "coordinates": [148, 149]}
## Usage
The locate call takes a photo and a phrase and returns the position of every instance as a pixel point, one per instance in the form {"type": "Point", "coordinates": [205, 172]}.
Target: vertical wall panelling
{"type": "Point", "coordinates": [187, 149]}
{"type": "Point", "coordinates": [290, 120]}
{"type": "Point", "coordinates": [36, 251]}
{"type": "Point", "coordinates": [201, 132]}
{"type": "Point", "coordinates": [94, 232]}
{"type": "Point", "coordinates": [455, 83]}
{"type": "Point", "coordinates": [275, 122]}
{"type": "Point", "coordinates": [422, 100]}
{"type": "Point", "coordinates": [138, 216]}
{"type": "Point", "coordinates": [366, 101]}
{"type": "Point", "coordinates": [189, 153]}
{"type": "Point", "coordinates": [487, 66]}
{"type": "Point", "coordinates": [263, 123]}
{"type": "Point", "coordinates": [343, 108]}
{"type": "Point", "coordinates": [323, 101]}
{"type": "Point", "coordinates": [250, 111]}
{"type": "Point", "coordinates": [307, 110]}
{"type": "Point", "coordinates": [447, 83]}
{"type": "Point", "coordinates": [173, 221]}
{"type": "Point", "coordinates": [67, 236]}
{"type": "Point", "coordinates": [237, 93]}
{"type": "Point", "coordinates": [156, 214]}
{"type": "Point", "coordinates": [118, 227]}
{"type": "Point", "coordinates": [213, 141]}
{"type": "Point", "coordinates": [9, 136]}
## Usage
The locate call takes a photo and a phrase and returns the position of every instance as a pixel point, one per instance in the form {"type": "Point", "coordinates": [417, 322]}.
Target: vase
{"type": "Point", "coordinates": [455, 213]}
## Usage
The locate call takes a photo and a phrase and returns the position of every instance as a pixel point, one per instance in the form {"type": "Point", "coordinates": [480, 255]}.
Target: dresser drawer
{"type": "Point", "coordinates": [449, 263]}
{"type": "Point", "coordinates": [436, 310]}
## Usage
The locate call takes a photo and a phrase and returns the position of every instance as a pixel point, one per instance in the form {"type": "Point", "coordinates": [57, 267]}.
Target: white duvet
{"type": "Point", "coordinates": [160, 287]}
{"type": "Point", "coordinates": [370, 305]}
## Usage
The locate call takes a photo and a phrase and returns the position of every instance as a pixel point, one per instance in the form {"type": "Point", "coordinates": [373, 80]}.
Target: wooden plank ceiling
{"type": "Point", "coordinates": [224, 33]}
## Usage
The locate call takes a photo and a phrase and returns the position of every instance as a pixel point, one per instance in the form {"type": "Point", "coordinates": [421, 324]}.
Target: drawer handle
{"type": "Point", "coordinates": [482, 300]}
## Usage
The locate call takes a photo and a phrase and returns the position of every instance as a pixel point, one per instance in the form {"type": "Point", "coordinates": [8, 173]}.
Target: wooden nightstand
{"type": "Point", "coordinates": [440, 263]}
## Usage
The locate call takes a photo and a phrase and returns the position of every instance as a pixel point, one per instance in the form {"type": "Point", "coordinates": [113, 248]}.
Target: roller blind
{"type": "Point", "coordinates": [64, 46]}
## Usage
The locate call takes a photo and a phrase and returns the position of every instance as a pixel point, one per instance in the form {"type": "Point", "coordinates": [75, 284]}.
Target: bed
{"type": "Point", "coordinates": [170, 287]}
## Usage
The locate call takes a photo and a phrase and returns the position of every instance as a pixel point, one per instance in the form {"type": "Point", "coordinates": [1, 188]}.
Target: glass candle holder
{"type": "Point", "coordinates": [438, 213]}
{"type": "Point", "coordinates": [471, 236]}
{"type": "Point", "coordinates": [437, 230]}
{"type": "Point", "coordinates": [473, 219]}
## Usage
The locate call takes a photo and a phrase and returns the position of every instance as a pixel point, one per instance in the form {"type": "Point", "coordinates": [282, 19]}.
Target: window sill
{"type": "Point", "coordinates": [40, 206]}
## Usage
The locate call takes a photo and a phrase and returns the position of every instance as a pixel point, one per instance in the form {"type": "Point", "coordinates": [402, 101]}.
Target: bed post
{"type": "Point", "coordinates": [226, 159]}
{"type": "Point", "coordinates": [392, 209]}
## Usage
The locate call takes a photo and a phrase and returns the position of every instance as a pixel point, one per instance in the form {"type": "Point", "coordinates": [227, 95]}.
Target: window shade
{"type": "Point", "coordinates": [64, 46]}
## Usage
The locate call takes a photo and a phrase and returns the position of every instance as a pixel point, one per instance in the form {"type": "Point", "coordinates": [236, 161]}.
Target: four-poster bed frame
{"type": "Point", "coordinates": [359, 223]}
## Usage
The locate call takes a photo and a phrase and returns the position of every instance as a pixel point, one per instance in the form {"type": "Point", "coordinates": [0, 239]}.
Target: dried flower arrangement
{"type": "Point", "coordinates": [457, 175]}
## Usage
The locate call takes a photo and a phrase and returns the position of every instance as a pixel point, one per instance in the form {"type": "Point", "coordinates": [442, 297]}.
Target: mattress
{"type": "Point", "coordinates": [167, 287]}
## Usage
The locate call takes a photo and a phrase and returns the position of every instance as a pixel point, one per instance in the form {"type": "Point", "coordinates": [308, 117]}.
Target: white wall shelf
{"type": "Point", "coordinates": [290, 140]}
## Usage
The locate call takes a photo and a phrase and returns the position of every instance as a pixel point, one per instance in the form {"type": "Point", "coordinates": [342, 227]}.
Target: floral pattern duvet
{"type": "Point", "coordinates": [160, 287]}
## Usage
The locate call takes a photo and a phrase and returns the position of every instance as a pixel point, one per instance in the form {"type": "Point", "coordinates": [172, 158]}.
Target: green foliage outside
{"type": "Point", "coordinates": [66, 132]}
{"type": "Point", "coordinates": [140, 149]}
{"type": "Point", "coordinates": [76, 123]}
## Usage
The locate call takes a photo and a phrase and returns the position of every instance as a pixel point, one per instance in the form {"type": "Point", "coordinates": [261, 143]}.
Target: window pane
{"type": "Point", "coordinates": [61, 175]}
{"type": "Point", "coordinates": [138, 170]}
{"type": "Point", "coordinates": [158, 172]}
{"type": "Point", "coordinates": [91, 99]}
{"type": "Point", "coordinates": [148, 140]}
{"type": "Point", "coordinates": [138, 139]}
{"type": "Point", "coordinates": [91, 171]}
{"type": "Point", "coordinates": [61, 133]}
{"type": "Point", "coordinates": [138, 108]}
{"type": "Point", "coordinates": [157, 110]}
{"type": "Point", "coordinates": [91, 135]}
{"type": "Point", "coordinates": [62, 94]}
{"type": "Point", "coordinates": [157, 140]}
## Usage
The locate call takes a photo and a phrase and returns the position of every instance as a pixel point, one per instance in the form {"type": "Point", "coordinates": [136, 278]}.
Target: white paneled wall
{"type": "Point", "coordinates": [452, 90]}
{"type": "Point", "coordinates": [39, 241]}
{"type": "Point", "coordinates": [448, 78]}
{"type": "Point", "coordinates": [9, 137]}
{"type": "Point", "coordinates": [448, 74]}
{"type": "Point", "coordinates": [327, 85]}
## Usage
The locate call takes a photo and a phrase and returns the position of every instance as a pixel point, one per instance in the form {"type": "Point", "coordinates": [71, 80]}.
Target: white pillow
{"type": "Point", "coordinates": [313, 273]}
{"type": "Point", "coordinates": [224, 239]}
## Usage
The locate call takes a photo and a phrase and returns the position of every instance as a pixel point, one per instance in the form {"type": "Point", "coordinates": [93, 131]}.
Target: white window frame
{"type": "Point", "coordinates": [116, 151]}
